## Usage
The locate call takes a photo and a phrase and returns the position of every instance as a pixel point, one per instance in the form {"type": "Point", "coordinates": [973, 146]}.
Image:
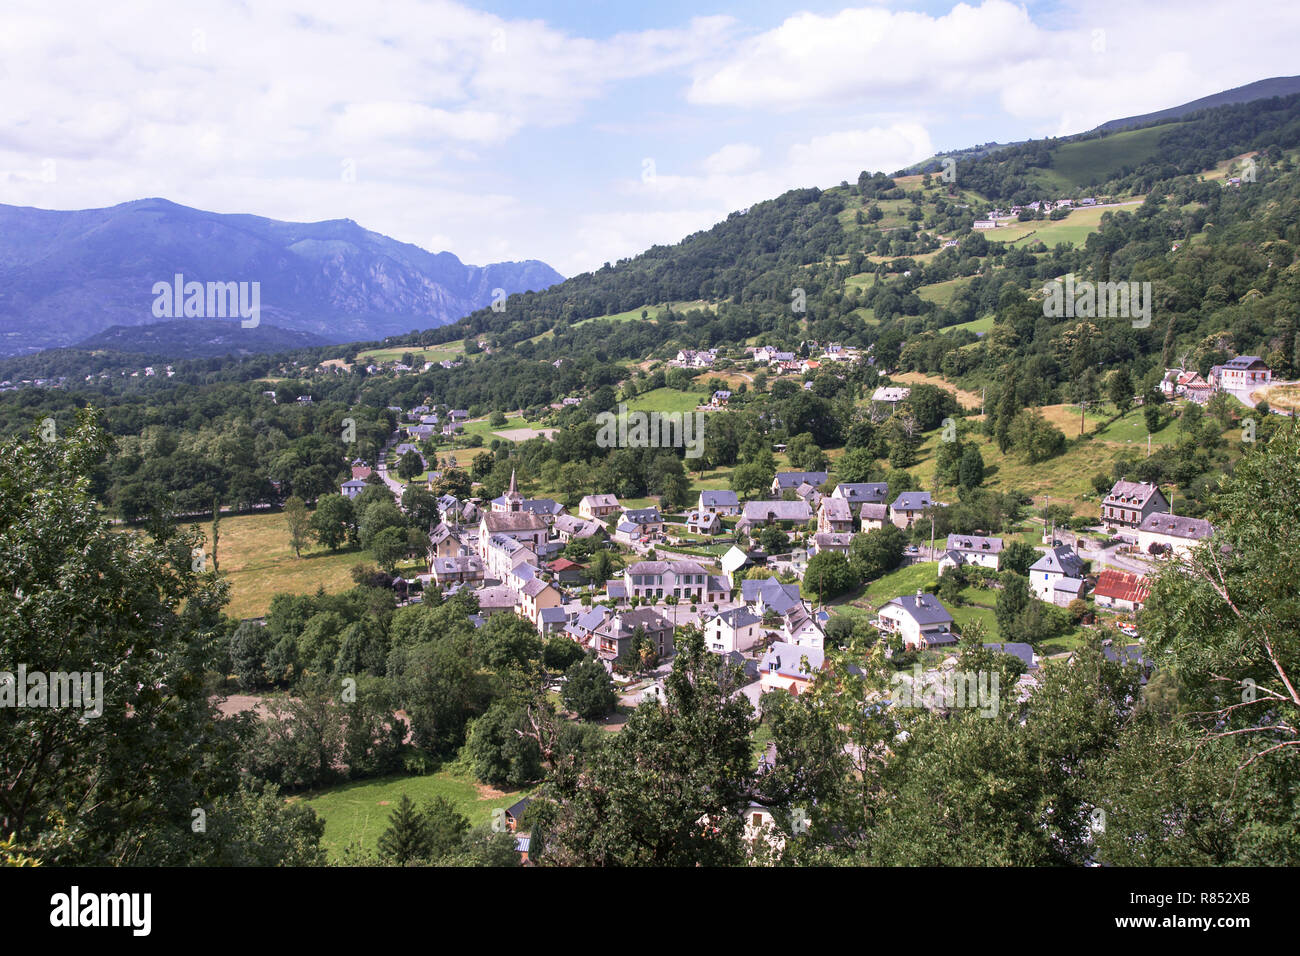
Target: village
{"type": "Point", "coordinates": [750, 602]}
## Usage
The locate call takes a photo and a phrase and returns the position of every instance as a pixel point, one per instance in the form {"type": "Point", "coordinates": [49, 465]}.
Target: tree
{"type": "Point", "coordinates": [1229, 618]}
{"type": "Point", "coordinates": [421, 507]}
{"type": "Point", "coordinates": [1013, 599]}
{"type": "Point", "coordinates": [692, 752]}
{"type": "Point", "coordinates": [408, 838]}
{"type": "Point", "coordinates": [295, 513]}
{"type": "Point", "coordinates": [498, 750]}
{"type": "Point", "coordinates": [1152, 417]}
{"type": "Point", "coordinates": [497, 419]}
{"type": "Point", "coordinates": [951, 583]}
{"type": "Point", "coordinates": [772, 539]}
{"type": "Point", "coordinates": [410, 465]}
{"type": "Point", "coordinates": [970, 472]}
{"type": "Point", "coordinates": [388, 547]}
{"type": "Point", "coordinates": [447, 827]}
{"type": "Point", "coordinates": [333, 523]}
{"type": "Point", "coordinates": [877, 552]}
{"type": "Point", "coordinates": [588, 690]}
{"type": "Point", "coordinates": [454, 482]}
{"type": "Point", "coordinates": [561, 652]}
{"type": "Point", "coordinates": [374, 518]}
{"type": "Point", "coordinates": [216, 532]}
{"type": "Point", "coordinates": [1121, 390]}
{"type": "Point", "coordinates": [750, 478]}
{"type": "Point", "coordinates": [1034, 437]}
{"type": "Point", "coordinates": [249, 645]}
{"type": "Point", "coordinates": [1018, 556]}
{"type": "Point", "coordinates": [113, 781]}
{"type": "Point", "coordinates": [828, 575]}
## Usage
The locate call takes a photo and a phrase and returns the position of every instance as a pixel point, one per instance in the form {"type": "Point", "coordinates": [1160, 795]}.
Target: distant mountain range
{"type": "Point", "coordinates": [66, 277]}
{"type": "Point", "coordinates": [1259, 90]}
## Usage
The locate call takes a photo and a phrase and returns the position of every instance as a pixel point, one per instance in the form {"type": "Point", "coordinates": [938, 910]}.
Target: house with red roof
{"type": "Point", "coordinates": [1121, 590]}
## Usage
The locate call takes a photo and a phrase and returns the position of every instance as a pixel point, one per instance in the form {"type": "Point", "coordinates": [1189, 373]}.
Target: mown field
{"type": "Point", "coordinates": [1076, 165]}
{"type": "Point", "coordinates": [431, 353]}
{"type": "Point", "coordinates": [255, 557]}
{"type": "Point", "coordinates": [358, 812]}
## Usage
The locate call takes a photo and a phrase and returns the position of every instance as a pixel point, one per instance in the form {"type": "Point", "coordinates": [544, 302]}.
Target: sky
{"type": "Point", "coordinates": [575, 133]}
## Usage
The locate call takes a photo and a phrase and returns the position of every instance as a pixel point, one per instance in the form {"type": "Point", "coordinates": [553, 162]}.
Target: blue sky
{"type": "Point", "coordinates": [576, 133]}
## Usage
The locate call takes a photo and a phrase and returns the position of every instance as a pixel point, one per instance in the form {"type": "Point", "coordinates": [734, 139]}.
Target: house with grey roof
{"type": "Point", "coordinates": [791, 480]}
{"type": "Point", "coordinates": [1057, 576]}
{"type": "Point", "coordinates": [612, 638]}
{"type": "Point", "coordinates": [972, 549]}
{"type": "Point", "coordinates": [908, 507]}
{"type": "Point", "coordinates": [858, 493]}
{"type": "Point", "coordinates": [719, 502]}
{"type": "Point", "coordinates": [703, 522]}
{"type": "Point", "coordinates": [919, 621]}
{"type": "Point", "coordinates": [684, 580]}
{"type": "Point", "coordinates": [873, 517]}
{"type": "Point", "coordinates": [1176, 534]}
{"type": "Point", "coordinates": [735, 629]}
{"type": "Point", "coordinates": [757, 514]}
{"type": "Point", "coordinates": [457, 569]}
{"type": "Point", "coordinates": [597, 507]}
{"type": "Point", "coordinates": [841, 541]}
{"type": "Point", "coordinates": [1023, 652]}
{"type": "Point", "coordinates": [787, 667]}
{"type": "Point", "coordinates": [835, 514]}
{"type": "Point", "coordinates": [569, 528]}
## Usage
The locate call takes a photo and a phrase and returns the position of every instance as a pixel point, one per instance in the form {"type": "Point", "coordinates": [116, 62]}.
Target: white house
{"type": "Point", "coordinates": [737, 629]}
{"type": "Point", "coordinates": [973, 549]}
{"type": "Point", "coordinates": [1057, 577]}
{"type": "Point", "coordinates": [1175, 532]}
{"type": "Point", "coordinates": [920, 621]}
{"type": "Point", "coordinates": [719, 502]}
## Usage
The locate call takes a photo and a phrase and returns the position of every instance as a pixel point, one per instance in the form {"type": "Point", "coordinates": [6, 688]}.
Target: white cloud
{"type": "Point", "coordinates": [732, 158]}
{"type": "Point", "coordinates": [507, 137]}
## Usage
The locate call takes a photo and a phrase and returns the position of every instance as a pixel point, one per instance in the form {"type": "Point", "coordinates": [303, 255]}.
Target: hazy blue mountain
{"type": "Point", "coordinates": [66, 276]}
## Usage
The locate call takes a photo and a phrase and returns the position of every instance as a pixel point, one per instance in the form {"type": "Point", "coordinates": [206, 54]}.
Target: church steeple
{"type": "Point", "coordinates": [513, 496]}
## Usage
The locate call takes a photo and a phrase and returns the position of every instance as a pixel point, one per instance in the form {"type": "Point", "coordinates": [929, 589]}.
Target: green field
{"type": "Point", "coordinates": [975, 325]}
{"type": "Point", "coordinates": [941, 293]}
{"type": "Point", "coordinates": [666, 400]}
{"type": "Point", "coordinates": [359, 812]}
{"type": "Point", "coordinates": [1077, 165]}
{"type": "Point", "coordinates": [652, 312]}
{"type": "Point", "coordinates": [255, 557]}
{"type": "Point", "coordinates": [432, 353]}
